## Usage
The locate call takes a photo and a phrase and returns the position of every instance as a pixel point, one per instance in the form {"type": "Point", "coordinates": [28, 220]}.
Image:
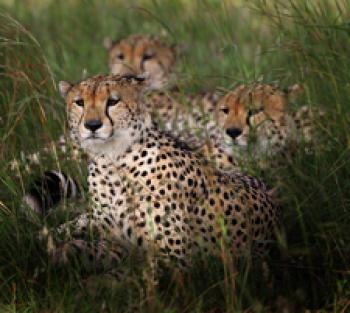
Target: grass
{"type": "Point", "coordinates": [42, 42]}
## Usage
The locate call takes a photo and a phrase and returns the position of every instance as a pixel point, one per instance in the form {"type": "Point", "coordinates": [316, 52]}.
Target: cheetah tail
{"type": "Point", "coordinates": [48, 190]}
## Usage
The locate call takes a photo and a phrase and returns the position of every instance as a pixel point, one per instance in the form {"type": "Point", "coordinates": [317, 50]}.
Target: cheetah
{"type": "Point", "coordinates": [144, 54]}
{"type": "Point", "coordinates": [151, 191]}
{"type": "Point", "coordinates": [259, 121]}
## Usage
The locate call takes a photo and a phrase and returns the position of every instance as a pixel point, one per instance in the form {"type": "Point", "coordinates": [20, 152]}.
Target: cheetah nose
{"type": "Point", "coordinates": [93, 125]}
{"type": "Point", "coordinates": [233, 132]}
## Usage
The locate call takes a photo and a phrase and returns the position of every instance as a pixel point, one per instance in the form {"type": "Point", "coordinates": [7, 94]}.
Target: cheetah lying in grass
{"type": "Point", "coordinates": [149, 190]}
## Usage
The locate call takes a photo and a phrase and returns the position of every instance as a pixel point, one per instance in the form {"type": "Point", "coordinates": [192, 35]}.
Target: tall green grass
{"type": "Point", "coordinates": [226, 42]}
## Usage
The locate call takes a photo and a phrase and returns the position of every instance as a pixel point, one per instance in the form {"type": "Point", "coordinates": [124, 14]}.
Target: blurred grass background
{"type": "Point", "coordinates": [227, 42]}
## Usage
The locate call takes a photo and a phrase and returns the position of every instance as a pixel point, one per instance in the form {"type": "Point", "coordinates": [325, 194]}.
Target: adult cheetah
{"type": "Point", "coordinates": [151, 191]}
{"type": "Point", "coordinates": [144, 54]}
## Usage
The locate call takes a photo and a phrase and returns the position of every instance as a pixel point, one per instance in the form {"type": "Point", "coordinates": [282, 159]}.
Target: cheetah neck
{"type": "Point", "coordinates": [122, 140]}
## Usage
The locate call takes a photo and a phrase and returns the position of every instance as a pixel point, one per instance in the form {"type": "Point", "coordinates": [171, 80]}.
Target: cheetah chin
{"type": "Point", "coordinates": [116, 144]}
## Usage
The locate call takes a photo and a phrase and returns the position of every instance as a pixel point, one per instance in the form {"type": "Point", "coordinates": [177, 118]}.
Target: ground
{"type": "Point", "coordinates": [225, 43]}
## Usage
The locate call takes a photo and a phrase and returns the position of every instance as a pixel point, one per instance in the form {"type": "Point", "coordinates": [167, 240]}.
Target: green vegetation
{"type": "Point", "coordinates": [283, 41]}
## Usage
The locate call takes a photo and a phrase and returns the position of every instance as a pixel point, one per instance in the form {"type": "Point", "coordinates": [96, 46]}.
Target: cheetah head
{"type": "Point", "coordinates": [104, 112]}
{"type": "Point", "coordinates": [248, 113]}
{"type": "Point", "coordinates": [143, 54]}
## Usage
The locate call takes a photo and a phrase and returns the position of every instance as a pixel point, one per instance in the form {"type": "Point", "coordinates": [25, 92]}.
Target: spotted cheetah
{"type": "Point", "coordinates": [147, 55]}
{"type": "Point", "coordinates": [151, 191]}
{"type": "Point", "coordinates": [259, 120]}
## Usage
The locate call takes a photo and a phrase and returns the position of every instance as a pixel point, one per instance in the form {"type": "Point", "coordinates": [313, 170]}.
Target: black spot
{"type": "Point", "coordinates": [129, 232]}
{"type": "Point", "coordinates": [108, 221]}
{"type": "Point", "coordinates": [228, 210]}
{"type": "Point", "coordinates": [226, 195]}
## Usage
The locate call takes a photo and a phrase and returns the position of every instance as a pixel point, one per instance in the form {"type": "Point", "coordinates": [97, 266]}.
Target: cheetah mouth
{"type": "Point", "coordinates": [94, 137]}
{"type": "Point", "coordinates": [98, 136]}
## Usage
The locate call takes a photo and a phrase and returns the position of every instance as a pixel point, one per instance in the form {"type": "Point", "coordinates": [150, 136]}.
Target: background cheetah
{"type": "Point", "coordinates": [144, 54]}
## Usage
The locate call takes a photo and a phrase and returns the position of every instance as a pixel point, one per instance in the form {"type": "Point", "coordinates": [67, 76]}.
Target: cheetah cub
{"type": "Point", "coordinates": [151, 191]}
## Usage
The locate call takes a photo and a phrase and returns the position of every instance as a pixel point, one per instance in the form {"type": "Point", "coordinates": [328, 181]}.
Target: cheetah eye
{"type": "Point", "coordinates": [147, 56]}
{"type": "Point", "coordinates": [120, 56]}
{"type": "Point", "coordinates": [79, 102]}
{"type": "Point", "coordinates": [111, 102]}
{"type": "Point", "coordinates": [225, 110]}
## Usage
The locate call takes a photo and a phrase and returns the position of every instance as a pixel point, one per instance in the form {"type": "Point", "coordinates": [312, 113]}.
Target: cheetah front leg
{"type": "Point", "coordinates": [85, 241]}
{"type": "Point", "coordinates": [97, 254]}
{"type": "Point", "coordinates": [101, 259]}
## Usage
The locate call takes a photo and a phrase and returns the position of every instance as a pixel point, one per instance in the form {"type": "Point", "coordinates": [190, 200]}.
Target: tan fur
{"type": "Point", "coordinates": [262, 97]}
{"type": "Point", "coordinates": [143, 54]}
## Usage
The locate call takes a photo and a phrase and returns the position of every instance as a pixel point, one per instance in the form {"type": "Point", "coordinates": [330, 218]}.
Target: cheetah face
{"type": "Point", "coordinates": [246, 112]}
{"type": "Point", "coordinates": [142, 55]}
{"type": "Point", "coordinates": [103, 111]}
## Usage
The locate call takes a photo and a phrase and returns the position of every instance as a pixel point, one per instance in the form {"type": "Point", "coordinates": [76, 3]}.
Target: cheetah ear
{"type": "Point", "coordinates": [294, 91]}
{"type": "Point", "coordinates": [64, 88]}
{"type": "Point", "coordinates": [107, 43]}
